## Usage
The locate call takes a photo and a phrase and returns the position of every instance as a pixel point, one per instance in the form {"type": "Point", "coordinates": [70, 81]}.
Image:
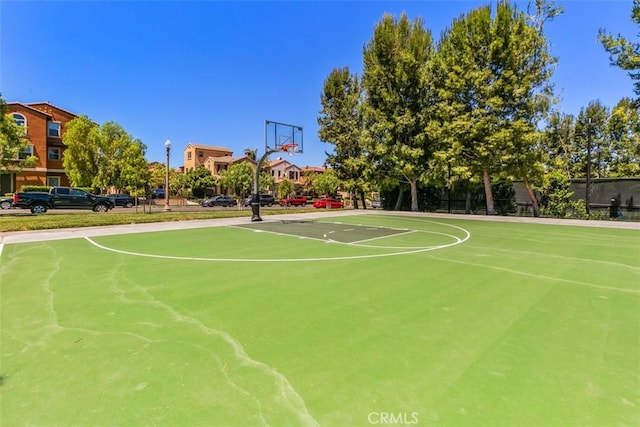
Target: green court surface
{"type": "Point", "coordinates": [345, 321]}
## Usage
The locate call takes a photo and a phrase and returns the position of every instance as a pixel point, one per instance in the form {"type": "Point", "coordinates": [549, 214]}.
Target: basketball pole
{"type": "Point", "coordinates": [290, 146]}
{"type": "Point", "coordinates": [255, 197]}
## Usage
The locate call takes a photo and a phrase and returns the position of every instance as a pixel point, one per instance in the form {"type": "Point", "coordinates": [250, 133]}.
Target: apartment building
{"type": "Point", "coordinates": [197, 154]}
{"type": "Point", "coordinates": [44, 125]}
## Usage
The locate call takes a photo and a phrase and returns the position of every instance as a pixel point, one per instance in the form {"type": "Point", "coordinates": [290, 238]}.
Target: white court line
{"type": "Point", "coordinates": [539, 276]}
{"type": "Point", "coordinates": [356, 244]}
{"type": "Point", "coordinates": [551, 255]}
{"type": "Point", "coordinates": [406, 252]}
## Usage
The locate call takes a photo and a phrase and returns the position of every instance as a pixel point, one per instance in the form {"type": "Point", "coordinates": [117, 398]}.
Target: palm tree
{"type": "Point", "coordinates": [252, 154]}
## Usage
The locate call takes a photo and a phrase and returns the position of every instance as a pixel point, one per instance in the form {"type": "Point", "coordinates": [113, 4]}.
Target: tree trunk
{"type": "Point", "coordinates": [488, 192]}
{"type": "Point", "coordinates": [532, 197]}
{"type": "Point", "coordinates": [354, 199]}
{"type": "Point", "coordinates": [399, 201]}
{"type": "Point", "coordinates": [364, 205]}
{"type": "Point", "coordinates": [414, 195]}
{"type": "Point", "coordinates": [467, 202]}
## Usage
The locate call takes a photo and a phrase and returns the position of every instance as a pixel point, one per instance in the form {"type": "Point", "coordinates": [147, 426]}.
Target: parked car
{"type": "Point", "coordinates": [123, 200]}
{"type": "Point", "coordinates": [265, 200]}
{"type": "Point", "coordinates": [218, 201]}
{"type": "Point", "coordinates": [6, 203]}
{"type": "Point", "coordinates": [294, 201]}
{"type": "Point", "coordinates": [61, 198]}
{"type": "Point", "coordinates": [376, 204]}
{"type": "Point", "coordinates": [157, 193]}
{"type": "Point", "coordinates": [333, 203]}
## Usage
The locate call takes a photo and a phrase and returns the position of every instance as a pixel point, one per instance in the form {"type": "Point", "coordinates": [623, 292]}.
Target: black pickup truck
{"type": "Point", "coordinates": [61, 198]}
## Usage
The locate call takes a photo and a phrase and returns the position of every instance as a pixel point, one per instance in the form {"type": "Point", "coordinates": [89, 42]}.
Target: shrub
{"type": "Point", "coordinates": [577, 209]}
{"type": "Point", "coordinates": [556, 197]}
{"type": "Point", "coordinates": [34, 188]}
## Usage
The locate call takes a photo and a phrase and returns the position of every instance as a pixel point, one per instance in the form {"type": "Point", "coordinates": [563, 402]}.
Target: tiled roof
{"type": "Point", "coordinates": [36, 104]}
{"type": "Point", "coordinates": [312, 169]}
{"type": "Point", "coordinates": [229, 159]}
{"type": "Point", "coordinates": [220, 159]}
{"type": "Point", "coordinates": [28, 107]}
{"type": "Point", "coordinates": [208, 147]}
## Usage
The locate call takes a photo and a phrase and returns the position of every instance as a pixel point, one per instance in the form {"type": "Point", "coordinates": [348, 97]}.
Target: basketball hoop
{"type": "Point", "coordinates": [290, 148]}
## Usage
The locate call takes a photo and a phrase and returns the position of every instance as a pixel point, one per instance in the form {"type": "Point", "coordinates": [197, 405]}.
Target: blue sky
{"type": "Point", "coordinates": [212, 72]}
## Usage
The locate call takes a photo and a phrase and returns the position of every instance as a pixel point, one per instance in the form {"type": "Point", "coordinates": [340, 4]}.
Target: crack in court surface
{"type": "Point", "coordinates": [285, 399]}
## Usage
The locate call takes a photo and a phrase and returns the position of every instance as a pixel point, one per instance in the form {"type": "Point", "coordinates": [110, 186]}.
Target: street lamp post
{"type": "Point", "coordinates": [167, 208]}
{"type": "Point", "coordinates": [588, 183]}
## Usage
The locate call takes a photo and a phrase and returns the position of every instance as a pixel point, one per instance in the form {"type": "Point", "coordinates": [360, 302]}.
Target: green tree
{"type": "Point", "coordinates": [112, 144]}
{"type": "Point", "coordinates": [397, 110]}
{"type": "Point", "coordinates": [199, 180]}
{"type": "Point", "coordinates": [556, 197]}
{"type": "Point", "coordinates": [623, 132]}
{"type": "Point", "coordinates": [285, 188]}
{"type": "Point", "coordinates": [623, 52]}
{"type": "Point", "coordinates": [326, 183]}
{"type": "Point", "coordinates": [340, 124]}
{"type": "Point", "coordinates": [238, 177]}
{"type": "Point", "coordinates": [157, 175]}
{"type": "Point", "coordinates": [97, 156]}
{"type": "Point", "coordinates": [251, 153]}
{"type": "Point", "coordinates": [590, 141]}
{"type": "Point", "coordinates": [178, 184]}
{"type": "Point", "coordinates": [493, 79]}
{"type": "Point", "coordinates": [556, 143]}
{"type": "Point", "coordinates": [266, 181]}
{"type": "Point", "coordinates": [80, 158]}
{"type": "Point", "coordinates": [12, 142]}
{"type": "Point", "coordinates": [308, 180]}
{"type": "Point", "coordinates": [134, 172]}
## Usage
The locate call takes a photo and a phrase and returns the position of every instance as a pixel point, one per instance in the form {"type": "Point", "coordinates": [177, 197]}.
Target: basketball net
{"type": "Point", "coordinates": [290, 148]}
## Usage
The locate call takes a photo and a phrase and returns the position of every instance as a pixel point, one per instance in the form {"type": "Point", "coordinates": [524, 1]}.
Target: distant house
{"type": "Point", "coordinates": [215, 159]}
{"type": "Point", "coordinates": [197, 154]}
{"type": "Point", "coordinates": [44, 126]}
{"type": "Point", "coordinates": [307, 170]}
{"type": "Point", "coordinates": [281, 169]}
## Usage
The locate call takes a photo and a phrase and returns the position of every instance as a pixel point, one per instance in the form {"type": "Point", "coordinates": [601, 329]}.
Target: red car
{"type": "Point", "coordinates": [294, 201]}
{"type": "Point", "coordinates": [333, 203]}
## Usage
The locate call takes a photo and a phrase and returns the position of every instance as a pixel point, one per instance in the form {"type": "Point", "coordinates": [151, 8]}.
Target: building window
{"type": "Point", "coordinates": [54, 129]}
{"type": "Point", "coordinates": [26, 152]}
{"type": "Point", "coordinates": [53, 181]}
{"type": "Point", "coordinates": [19, 119]}
{"type": "Point", "coordinates": [189, 155]}
{"type": "Point", "coordinates": [54, 154]}
{"type": "Point", "coordinates": [200, 153]}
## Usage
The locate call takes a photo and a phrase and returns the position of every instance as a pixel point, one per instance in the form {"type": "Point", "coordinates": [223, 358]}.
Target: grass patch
{"type": "Point", "coordinates": [24, 221]}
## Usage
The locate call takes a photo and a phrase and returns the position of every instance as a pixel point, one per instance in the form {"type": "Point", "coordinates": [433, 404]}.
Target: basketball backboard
{"type": "Point", "coordinates": [283, 137]}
